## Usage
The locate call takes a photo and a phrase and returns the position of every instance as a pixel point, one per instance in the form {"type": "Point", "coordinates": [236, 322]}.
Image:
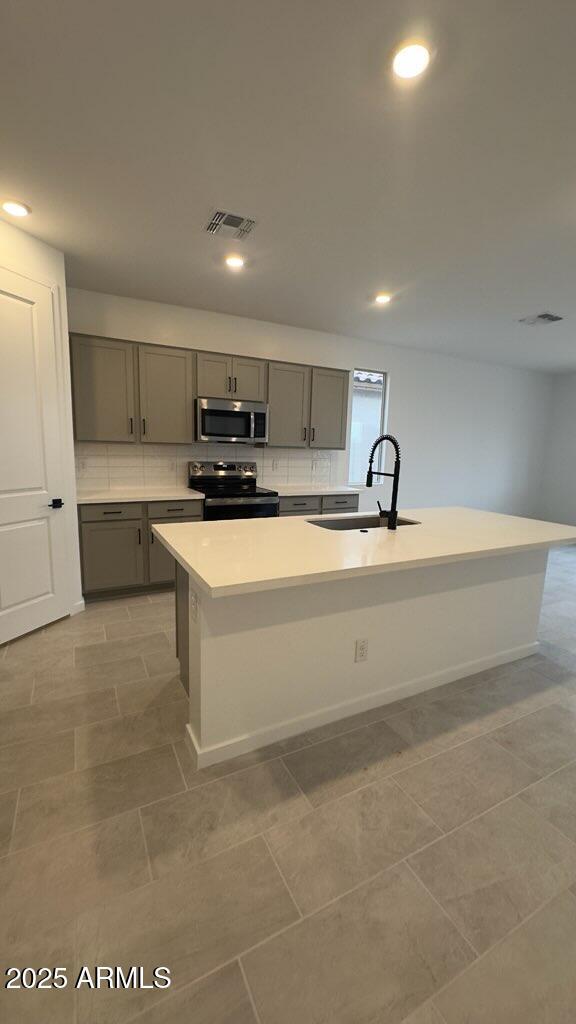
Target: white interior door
{"type": "Point", "coordinates": [33, 577]}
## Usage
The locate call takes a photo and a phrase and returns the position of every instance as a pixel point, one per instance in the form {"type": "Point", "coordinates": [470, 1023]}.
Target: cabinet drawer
{"type": "Point", "coordinates": [340, 503]}
{"type": "Point", "coordinates": [299, 503]}
{"type": "Point", "coordinates": [110, 513]}
{"type": "Point", "coordinates": [190, 509]}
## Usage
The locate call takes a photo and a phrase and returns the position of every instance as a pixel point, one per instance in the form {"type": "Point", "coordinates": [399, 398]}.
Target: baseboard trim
{"type": "Point", "coordinates": [78, 606]}
{"type": "Point", "coordinates": [206, 756]}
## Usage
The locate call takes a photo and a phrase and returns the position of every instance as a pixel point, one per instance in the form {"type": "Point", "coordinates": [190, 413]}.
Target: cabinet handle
{"type": "Point", "coordinates": [174, 509]}
{"type": "Point", "coordinates": [299, 504]}
{"type": "Point", "coordinates": [151, 537]}
{"type": "Point", "coordinates": [305, 432]}
{"type": "Point", "coordinates": [144, 425]}
{"type": "Point", "coordinates": [131, 431]}
{"type": "Point", "coordinates": [139, 535]}
{"type": "Point", "coordinates": [235, 384]}
{"type": "Point", "coordinates": [119, 513]}
{"type": "Point", "coordinates": [230, 384]}
{"type": "Point", "coordinates": [313, 433]}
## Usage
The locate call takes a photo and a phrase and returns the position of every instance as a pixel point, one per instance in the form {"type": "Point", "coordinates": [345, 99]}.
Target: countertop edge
{"type": "Point", "coordinates": [285, 582]}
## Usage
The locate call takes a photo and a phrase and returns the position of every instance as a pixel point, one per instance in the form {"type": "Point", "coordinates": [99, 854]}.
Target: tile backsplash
{"type": "Point", "coordinates": [108, 466]}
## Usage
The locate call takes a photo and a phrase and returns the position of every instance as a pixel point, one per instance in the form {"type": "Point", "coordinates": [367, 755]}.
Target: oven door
{"type": "Point", "coordinates": [224, 420]}
{"type": "Point", "coordinates": [240, 508]}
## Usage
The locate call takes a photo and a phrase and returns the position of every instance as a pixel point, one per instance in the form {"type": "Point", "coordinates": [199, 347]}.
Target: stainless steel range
{"type": "Point", "coordinates": [230, 490]}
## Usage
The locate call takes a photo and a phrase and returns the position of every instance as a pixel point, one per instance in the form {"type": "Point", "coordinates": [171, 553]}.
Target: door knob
{"type": "Point", "coordinates": [56, 503]}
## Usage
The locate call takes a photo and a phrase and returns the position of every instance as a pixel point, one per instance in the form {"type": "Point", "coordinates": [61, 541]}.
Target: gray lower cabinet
{"type": "Point", "coordinates": [118, 548]}
{"type": "Point", "coordinates": [167, 392]}
{"type": "Point", "coordinates": [328, 408]}
{"type": "Point", "coordinates": [104, 389]}
{"type": "Point", "coordinates": [161, 565]}
{"type": "Point", "coordinates": [289, 400]}
{"type": "Point", "coordinates": [113, 554]}
{"type": "Point", "coordinates": [316, 504]}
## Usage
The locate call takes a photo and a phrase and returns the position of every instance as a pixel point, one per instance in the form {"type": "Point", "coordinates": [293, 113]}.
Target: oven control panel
{"type": "Point", "coordinates": [222, 469]}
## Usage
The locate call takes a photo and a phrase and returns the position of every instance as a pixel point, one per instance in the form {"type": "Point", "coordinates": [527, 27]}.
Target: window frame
{"type": "Point", "coordinates": [383, 418]}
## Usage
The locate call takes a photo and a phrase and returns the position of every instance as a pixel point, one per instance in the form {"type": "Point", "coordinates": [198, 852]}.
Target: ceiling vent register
{"type": "Point", "coordinates": [540, 318]}
{"type": "Point", "coordinates": [230, 224]}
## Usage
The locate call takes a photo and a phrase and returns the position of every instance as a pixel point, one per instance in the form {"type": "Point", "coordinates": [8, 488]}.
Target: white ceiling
{"type": "Point", "coordinates": [123, 124]}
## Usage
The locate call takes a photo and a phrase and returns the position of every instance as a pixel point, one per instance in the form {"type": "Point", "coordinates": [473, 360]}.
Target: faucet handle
{"type": "Point", "coordinates": [380, 509]}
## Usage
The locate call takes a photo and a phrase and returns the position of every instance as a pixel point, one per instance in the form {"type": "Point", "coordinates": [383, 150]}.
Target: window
{"type": "Point", "coordinates": [368, 412]}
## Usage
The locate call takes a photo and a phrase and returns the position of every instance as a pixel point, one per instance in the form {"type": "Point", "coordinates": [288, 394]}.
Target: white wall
{"type": "Point", "coordinates": [558, 491]}
{"type": "Point", "coordinates": [26, 255]}
{"type": "Point", "coordinates": [471, 433]}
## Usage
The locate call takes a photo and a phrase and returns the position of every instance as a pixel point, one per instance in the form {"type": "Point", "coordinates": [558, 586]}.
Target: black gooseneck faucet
{"type": "Point", "coordinates": [392, 515]}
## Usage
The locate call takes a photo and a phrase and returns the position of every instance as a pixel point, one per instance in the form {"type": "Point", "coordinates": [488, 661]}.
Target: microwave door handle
{"type": "Point", "coordinates": [252, 425]}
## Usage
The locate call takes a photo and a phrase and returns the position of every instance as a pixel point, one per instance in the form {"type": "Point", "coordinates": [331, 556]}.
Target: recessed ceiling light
{"type": "Point", "coordinates": [410, 61]}
{"type": "Point", "coordinates": [382, 299]}
{"type": "Point", "coordinates": [16, 209]}
{"type": "Point", "coordinates": [235, 262]}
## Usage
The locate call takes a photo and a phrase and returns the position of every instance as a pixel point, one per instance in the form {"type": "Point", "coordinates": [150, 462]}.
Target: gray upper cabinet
{"type": "Point", "coordinates": [249, 379]}
{"type": "Point", "coordinates": [104, 388]}
{"type": "Point", "coordinates": [222, 376]}
{"type": "Point", "coordinates": [328, 408]}
{"type": "Point", "coordinates": [289, 398]}
{"type": "Point", "coordinates": [214, 375]}
{"type": "Point", "coordinates": [167, 392]}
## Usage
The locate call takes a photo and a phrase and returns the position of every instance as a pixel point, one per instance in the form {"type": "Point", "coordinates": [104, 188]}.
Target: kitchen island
{"type": "Point", "coordinates": [283, 625]}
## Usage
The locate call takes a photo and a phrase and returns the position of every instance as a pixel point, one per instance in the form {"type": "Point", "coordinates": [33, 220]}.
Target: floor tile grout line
{"type": "Point", "coordinates": [440, 906]}
{"type": "Point", "coordinates": [146, 850]}
{"type": "Point", "coordinates": [491, 949]}
{"type": "Point", "coordinates": [248, 988]}
{"type": "Point", "coordinates": [180, 769]}
{"type": "Point", "coordinates": [57, 732]}
{"type": "Point", "coordinates": [13, 829]}
{"type": "Point", "coordinates": [436, 754]}
{"type": "Point", "coordinates": [281, 873]}
{"type": "Point", "coordinates": [285, 755]}
{"type": "Point", "coordinates": [423, 810]}
{"type": "Point", "coordinates": [295, 781]}
{"type": "Point", "coordinates": [314, 808]}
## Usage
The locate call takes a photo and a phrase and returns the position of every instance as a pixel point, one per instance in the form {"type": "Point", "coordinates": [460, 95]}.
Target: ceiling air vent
{"type": "Point", "coordinates": [541, 318]}
{"type": "Point", "coordinates": [230, 224]}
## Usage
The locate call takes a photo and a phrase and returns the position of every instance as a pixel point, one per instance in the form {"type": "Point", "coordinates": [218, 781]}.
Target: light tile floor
{"type": "Point", "coordinates": [412, 864]}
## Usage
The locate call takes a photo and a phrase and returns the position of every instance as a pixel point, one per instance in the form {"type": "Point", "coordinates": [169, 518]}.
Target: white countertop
{"type": "Point", "coordinates": [179, 492]}
{"type": "Point", "coordinates": [243, 556]}
{"type": "Point", "coordinates": [175, 493]}
{"type": "Point", "coordinates": [287, 490]}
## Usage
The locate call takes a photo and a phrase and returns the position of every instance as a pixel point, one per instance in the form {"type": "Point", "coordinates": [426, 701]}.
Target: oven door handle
{"type": "Point", "coordinates": [257, 500]}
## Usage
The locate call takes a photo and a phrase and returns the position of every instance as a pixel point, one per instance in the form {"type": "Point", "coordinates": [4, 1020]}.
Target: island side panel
{"type": "Point", "coordinates": [277, 663]}
{"type": "Point", "coordinates": [182, 627]}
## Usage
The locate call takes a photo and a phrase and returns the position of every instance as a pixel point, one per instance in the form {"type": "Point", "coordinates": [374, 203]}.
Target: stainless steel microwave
{"type": "Point", "coordinates": [223, 419]}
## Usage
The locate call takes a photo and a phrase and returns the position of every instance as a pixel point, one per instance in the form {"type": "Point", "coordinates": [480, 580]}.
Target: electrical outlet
{"type": "Point", "coordinates": [361, 652]}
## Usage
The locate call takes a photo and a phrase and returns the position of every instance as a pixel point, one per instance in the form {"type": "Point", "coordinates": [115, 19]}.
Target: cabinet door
{"type": "Point", "coordinates": [329, 407]}
{"type": "Point", "coordinates": [214, 375]}
{"type": "Point", "coordinates": [166, 394]}
{"type": "Point", "coordinates": [103, 386]}
{"type": "Point", "coordinates": [289, 400]}
{"type": "Point", "coordinates": [112, 555]}
{"type": "Point", "coordinates": [249, 379]}
{"type": "Point", "coordinates": [162, 566]}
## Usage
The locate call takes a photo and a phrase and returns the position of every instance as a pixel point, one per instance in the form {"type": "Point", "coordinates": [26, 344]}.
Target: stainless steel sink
{"type": "Point", "coordinates": [352, 522]}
